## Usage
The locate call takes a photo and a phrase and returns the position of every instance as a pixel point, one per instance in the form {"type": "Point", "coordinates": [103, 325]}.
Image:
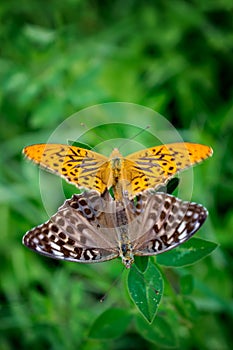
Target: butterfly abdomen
{"type": "Point", "coordinates": [116, 174]}
{"type": "Point", "coordinates": [125, 246]}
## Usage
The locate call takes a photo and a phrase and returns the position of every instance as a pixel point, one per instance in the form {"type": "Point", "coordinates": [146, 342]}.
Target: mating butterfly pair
{"type": "Point", "coordinates": [92, 227]}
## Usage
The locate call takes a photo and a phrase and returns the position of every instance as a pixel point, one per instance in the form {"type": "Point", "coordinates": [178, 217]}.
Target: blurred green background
{"type": "Point", "coordinates": [58, 57]}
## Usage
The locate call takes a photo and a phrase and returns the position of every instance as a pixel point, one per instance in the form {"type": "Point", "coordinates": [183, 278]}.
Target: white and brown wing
{"type": "Point", "coordinates": [79, 231]}
{"type": "Point", "coordinates": [89, 228]}
{"type": "Point", "coordinates": [166, 223]}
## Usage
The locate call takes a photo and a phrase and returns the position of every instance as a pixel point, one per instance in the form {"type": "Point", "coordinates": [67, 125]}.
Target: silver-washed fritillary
{"type": "Point", "coordinates": [127, 176]}
{"type": "Point", "coordinates": [88, 228]}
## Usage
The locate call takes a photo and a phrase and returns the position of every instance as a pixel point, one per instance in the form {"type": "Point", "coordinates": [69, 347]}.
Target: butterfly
{"type": "Point", "coordinates": [127, 176]}
{"type": "Point", "coordinates": [89, 228]}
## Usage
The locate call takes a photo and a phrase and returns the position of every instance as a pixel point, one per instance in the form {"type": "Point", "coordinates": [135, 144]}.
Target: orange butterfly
{"type": "Point", "coordinates": [130, 175]}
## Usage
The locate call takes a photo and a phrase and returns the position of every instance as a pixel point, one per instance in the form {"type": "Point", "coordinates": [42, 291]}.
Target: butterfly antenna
{"type": "Point", "coordinates": [134, 137]}
{"type": "Point", "coordinates": [111, 286]}
{"type": "Point", "coordinates": [88, 129]}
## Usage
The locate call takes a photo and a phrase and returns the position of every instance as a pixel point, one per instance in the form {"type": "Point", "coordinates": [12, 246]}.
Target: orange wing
{"type": "Point", "coordinates": [81, 167]}
{"type": "Point", "coordinates": [153, 167]}
{"type": "Point", "coordinates": [147, 169]}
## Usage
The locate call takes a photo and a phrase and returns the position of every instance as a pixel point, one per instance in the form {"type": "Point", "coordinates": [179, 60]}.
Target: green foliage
{"type": "Point", "coordinates": [146, 290]}
{"type": "Point", "coordinates": [160, 332]}
{"type": "Point", "coordinates": [187, 253]}
{"type": "Point", "coordinates": [110, 324]}
{"type": "Point", "coordinates": [60, 57]}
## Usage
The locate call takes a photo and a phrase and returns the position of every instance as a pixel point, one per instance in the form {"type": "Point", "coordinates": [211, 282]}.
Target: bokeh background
{"type": "Point", "coordinates": [59, 57]}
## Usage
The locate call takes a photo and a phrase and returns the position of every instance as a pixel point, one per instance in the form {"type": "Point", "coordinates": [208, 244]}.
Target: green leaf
{"type": "Point", "coordinates": [186, 308]}
{"type": "Point", "coordinates": [39, 35]}
{"type": "Point", "coordinates": [146, 290]}
{"type": "Point", "coordinates": [110, 324]}
{"type": "Point", "coordinates": [170, 187]}
{"type": "Point", "coordinates": [47, 113]}
{"type": "Point", "coordinates": [141, 262]}
{"type": "Point", "coordinates": [79, 144]}
{"type": "Point", "coordinates": [190, 309]}
{"type": "Point", "coordinates": [187, 253]}
{"type": "Point", "coordinates": [186, 284]}
{"type": "Point", "coordinates": [159, 332]}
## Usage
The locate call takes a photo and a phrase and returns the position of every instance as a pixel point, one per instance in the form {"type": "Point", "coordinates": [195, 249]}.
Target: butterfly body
{"type": "Point", "coordinates": [89, 228]}
{"type": "Point", "coordinates": [127, 176]}
{"type": "Point", "coordinates": [115, 176]}
{"type": "Point", "coordinates": [125, 246]}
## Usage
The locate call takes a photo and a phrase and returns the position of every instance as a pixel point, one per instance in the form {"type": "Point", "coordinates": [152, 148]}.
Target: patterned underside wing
{"type": "Point", "coordinates": [90, 228]}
